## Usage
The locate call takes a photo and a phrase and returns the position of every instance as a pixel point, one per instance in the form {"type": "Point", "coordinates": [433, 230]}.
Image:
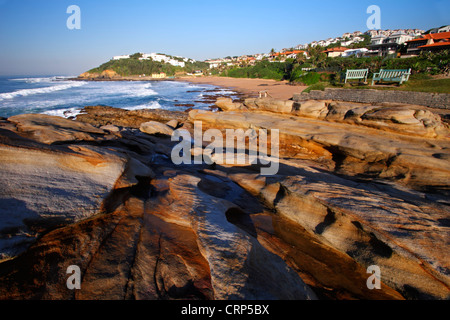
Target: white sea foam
{"type": "Point", "coordinates": [65, 113]}
{"type": "Point", "coordinates": [127, 89]}
{"type": "Point", "coordinates": [28, 92]}
{"type": "Point", "coordinates": [194, 86]}
{"type": "Point", "coordinates": [37, 80]}
{"type": "Point", "coordinates": [152, 105]}
{"type": "Point", "coordinates": [143, 91]}
{"type": "Point", "coordinates": [221, 91]}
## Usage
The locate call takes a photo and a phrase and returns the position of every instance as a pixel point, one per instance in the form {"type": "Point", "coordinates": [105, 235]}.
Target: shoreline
{"type": "Point", "coordinates": [244, 87]}
{"type": "Point", "coordinates": [248, 87]}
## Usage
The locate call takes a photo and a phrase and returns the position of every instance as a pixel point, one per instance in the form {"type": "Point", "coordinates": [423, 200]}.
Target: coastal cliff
{"type": "Point", "coordinates": [104, 75]}
{"type": "Point", "coordinates": [358, 185]}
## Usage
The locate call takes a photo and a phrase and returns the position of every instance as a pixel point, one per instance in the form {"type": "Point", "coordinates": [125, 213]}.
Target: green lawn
{"type": "Point", "coordinates": [432, 85]}
{"type": "Point", "coordinates": [421, 85]}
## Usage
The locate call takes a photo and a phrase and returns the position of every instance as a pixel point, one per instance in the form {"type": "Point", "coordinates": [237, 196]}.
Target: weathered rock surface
{"type": "Point", "coordinates": [131, 244]}
{"type": "Point", "coordinates": [269, 104]}
{"type": "Point", "coordinates": [46, 186]}
{"type": "Point", "coordinates": [103, 115]}
{"type": "Point", "coordinates": [172, 123]}
{"type": "Point", "coordinates": [50, 129]}
{"type": "Point", "coordinates": [155, 230]}
{"type": "Point", "coordinates": [52, 175]}
{"type": "Point", "coordinates": [110, 128]}
{"type": "Point", "coordinates": [227, 104]}
{"type": "Point", "coordinates": [104, 75]}
{"type": "Point", "coordinates": [313, 109]}
{"type": "Point", "coordinates": [420, 163]}
{"type": "Point", "coordinates": [154, 127]}
{"type": "Point", "coordinates": [399, 118]}
{"type": "Point", "coordinates": [392, 228]}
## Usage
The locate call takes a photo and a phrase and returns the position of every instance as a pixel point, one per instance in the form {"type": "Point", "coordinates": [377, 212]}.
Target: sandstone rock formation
{"type": "Point", "coordinates": [227, 104]}
{"type": "Point", "coordinates": [350, 192]}
{"type": "Point", "coordinates": [312, 132]}
{"type": "Point", "coordinates": [130, 243]}
{"type": "Point", "coordinates": [409, 145]}
{"type": "Point", "coordinates": [398, 235]}
{"type": "Point", "coordinates": [49, 129]}
{"type": "Point", "coordinates": [399, 118]}
{"type": "Point", "coordinates": [269, 104]}
{"type": "Point", "coordinates": [104, 75]}
{"type": "Point", "coordinates": [154, 127]}
{"type": "Point", "coordinates": [102, 115]}
{"type": "Point", "coordinates": [44, 186]}
{"type": "Point", "coordinates": [172, 123]}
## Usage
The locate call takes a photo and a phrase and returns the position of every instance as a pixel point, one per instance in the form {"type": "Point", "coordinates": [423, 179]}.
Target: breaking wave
{"type": "Point", "coordinates": [152, 105]}
{"type": "Point", "coordinates": [28, 92]}
{"type": "Point", "coordinates": [65, 113]}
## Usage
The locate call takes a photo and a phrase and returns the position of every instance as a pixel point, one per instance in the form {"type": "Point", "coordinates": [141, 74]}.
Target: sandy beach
{"type": "Point", "coordinates": [251, 87]}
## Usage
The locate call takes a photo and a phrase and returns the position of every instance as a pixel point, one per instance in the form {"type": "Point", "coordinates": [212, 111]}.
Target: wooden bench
{"type": "Point", "coordinates": [400, 75]}
{"type": "Point", "coordinates": [356, 74]}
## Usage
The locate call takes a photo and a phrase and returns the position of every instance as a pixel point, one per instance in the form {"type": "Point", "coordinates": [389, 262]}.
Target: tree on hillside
{"type": "Point", "coordinates": [362, 44]}
{"type": "Point", "coordinates": [316, 55]}
{"type": "Point", "coordinates": [334, 45]}
{"type": "Point", "coordinates": [301, 58]}
{"type": "Point", "coordinates": [136, 56]}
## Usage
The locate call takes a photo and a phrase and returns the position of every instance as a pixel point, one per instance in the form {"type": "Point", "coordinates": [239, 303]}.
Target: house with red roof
{"type": "Point", "coordinates": [288, 54]}
{"type": "Point", "coordinates": [335, 52]}
{"type": "Point", "coordinates": [429, 42]}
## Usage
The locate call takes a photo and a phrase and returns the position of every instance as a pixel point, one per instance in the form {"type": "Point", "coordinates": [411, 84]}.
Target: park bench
{"type": "Point", "coordinates": [400, 75]}
{"type": "Point", "coordinates": [356, 74]}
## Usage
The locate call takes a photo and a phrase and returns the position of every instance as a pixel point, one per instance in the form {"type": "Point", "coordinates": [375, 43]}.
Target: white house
{"type": "Point", "coordinates": [182, 58]}
{"type": "Point", "coordinates": [323, 43]}
{"type": "Point", "coordinates": [121, 57]}
{"type": "Point", "coordinates": [346, 43]}
{"type": "Point", "coordinates": [355, 52]}
{"type": "Point", "coordinates": [214, 63]}
{"type": "Point", "coordinates": [383, 46]}
{"type": "Point", "coordinates": [163, 58]}
{"type": "Point", "coordinates": [177, 63]}
{"type": "Point", "coordinates": [400, 37]}
{"type": "Point", "coordinates": [301, 47]}
{"type": "Point", "coordinates": [159, 57]}
{"type": "Point", "coordinates": [378, 39]}
{"type": "Point", "coordinates": [444, 29]}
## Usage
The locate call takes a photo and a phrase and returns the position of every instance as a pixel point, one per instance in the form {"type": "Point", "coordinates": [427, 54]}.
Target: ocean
{"type": "Point", "coordinates": [60, 96]}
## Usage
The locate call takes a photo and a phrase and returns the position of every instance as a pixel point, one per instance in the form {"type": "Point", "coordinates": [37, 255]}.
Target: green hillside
{"type": "Point", "coordinates": [134, 66]}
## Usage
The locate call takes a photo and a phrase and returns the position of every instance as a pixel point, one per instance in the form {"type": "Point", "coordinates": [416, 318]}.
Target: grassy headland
{"type": "Point", "coordinates": [133, 67]}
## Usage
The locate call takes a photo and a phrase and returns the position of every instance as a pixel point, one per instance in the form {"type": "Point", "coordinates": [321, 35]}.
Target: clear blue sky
{"type": "Point", "coordinates": [34, 39]}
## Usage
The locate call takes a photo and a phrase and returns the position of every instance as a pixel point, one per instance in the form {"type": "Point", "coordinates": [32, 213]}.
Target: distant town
{"type": "Point", "coordinates": [368, 44]}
